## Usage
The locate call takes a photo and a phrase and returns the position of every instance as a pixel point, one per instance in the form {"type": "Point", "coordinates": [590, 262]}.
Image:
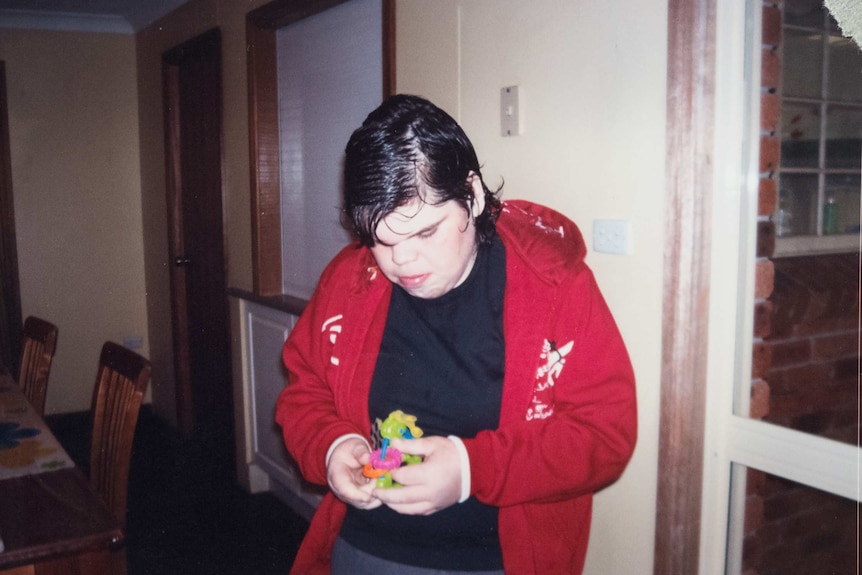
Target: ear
{"type": "Point", "coordinates": [477, 206]}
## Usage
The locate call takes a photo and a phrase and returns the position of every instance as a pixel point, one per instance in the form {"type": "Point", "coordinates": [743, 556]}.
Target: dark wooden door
{"type": "Point", "coordinates": [10, 296]}
{"type": "Point", "coordinates": [193, 123]}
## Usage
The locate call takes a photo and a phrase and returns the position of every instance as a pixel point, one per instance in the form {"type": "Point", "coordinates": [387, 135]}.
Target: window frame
{"type": "Point", "coordinates": [817, 243]}
{"type": "Point", "coordinates": [735, 442]}
{"type": "Point", "coordinates": [264, 159]}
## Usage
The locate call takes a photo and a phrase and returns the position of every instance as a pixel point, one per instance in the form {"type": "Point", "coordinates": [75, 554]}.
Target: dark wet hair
{"type": "Point", "coordinates": [404, 145]}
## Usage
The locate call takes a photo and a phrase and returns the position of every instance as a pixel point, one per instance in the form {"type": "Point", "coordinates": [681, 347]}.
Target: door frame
{"type": "Point", "coordinates": [687, 259]}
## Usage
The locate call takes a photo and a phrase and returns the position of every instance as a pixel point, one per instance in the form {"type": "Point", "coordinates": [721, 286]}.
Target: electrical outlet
{"type": "Point", "coordinates": [612, 236]}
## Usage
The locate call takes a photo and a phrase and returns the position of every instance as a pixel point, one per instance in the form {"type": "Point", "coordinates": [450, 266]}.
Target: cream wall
{"type": "Point", "coordinates": [90, 192]}
{"type": "Point", "coordinates": [592, 83]}
{"type": "Point", "coordinates": [76, 181]}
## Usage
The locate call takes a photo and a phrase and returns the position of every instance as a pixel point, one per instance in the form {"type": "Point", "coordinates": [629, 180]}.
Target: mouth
{"type": "Point", "coordinates": [408, 282]}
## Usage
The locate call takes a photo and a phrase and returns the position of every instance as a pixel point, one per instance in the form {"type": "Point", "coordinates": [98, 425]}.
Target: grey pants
{"type": "Point", "coordinates": [348, 560]}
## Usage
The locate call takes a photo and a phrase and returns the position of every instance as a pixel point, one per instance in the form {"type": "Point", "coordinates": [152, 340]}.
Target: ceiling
{"type": "Point", "coordinates": [118, 16]}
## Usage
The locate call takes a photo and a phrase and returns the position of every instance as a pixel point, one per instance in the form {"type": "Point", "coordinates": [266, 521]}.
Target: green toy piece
{"type": "Point", "coordinates": [398, 425]}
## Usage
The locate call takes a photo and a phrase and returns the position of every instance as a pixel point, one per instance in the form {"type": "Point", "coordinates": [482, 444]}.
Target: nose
{"type": "Point", "coordinates": [403, 253]}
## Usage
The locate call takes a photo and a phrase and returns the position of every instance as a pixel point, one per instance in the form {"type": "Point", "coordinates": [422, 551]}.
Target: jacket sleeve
{"type": "Point", "coordinates": [587, 440]}
{"type": "Point", "coordinates": [306, 408]}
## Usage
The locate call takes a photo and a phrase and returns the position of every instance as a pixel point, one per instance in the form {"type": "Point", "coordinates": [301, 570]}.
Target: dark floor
{"type": "Point", "coordinates": [186, 514]}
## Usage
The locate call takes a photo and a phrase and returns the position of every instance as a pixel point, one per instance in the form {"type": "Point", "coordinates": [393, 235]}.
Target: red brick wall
{"type": "Point", "coordinates": [814, 346]}
{"type": "Point", "coordinates": [805, 371]}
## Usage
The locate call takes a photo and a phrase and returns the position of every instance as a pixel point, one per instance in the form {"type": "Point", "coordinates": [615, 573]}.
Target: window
{"type": "Point", "coordinates": [329, 78]}
{"type": "Point", "coordinates": [780, 468]}
{"type": "Point", "coordinates": [821, 134]}
{"type": "Point", "coordinates": [262, 25]}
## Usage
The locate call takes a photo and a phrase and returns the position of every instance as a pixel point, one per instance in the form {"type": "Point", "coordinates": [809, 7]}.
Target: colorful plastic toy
{"type": "Point", "coordinates": [398, 425]}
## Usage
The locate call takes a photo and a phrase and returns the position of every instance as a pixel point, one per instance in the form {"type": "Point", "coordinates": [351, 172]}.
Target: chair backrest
{"type": "Point", "coordinates": [120, 385]}
{"type": "Point", "coordinates": [37, 353]}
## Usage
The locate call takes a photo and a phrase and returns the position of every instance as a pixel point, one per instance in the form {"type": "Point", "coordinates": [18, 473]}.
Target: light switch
{"type": "Point", "coordinates": [510, 117]}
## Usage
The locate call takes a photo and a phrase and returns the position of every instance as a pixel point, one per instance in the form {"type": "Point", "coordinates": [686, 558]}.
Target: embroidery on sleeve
{"type": "Point", "coordinates": [552, 359]}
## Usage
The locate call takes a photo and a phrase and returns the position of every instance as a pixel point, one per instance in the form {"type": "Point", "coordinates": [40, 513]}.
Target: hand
{"type": "Point", "coordinates": [429, 486]}
{"type": "Point", "coordinates": [344, 474]}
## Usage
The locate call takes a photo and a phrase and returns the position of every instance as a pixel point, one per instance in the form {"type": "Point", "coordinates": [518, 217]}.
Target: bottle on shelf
{"type": "Point", "coordinates": [830, 217]}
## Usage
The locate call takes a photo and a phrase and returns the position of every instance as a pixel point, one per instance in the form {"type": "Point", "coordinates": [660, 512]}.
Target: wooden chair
{"type": "Point", "coordinates": [37, 353]}
{"type": "Point", "coordinates": [120, 385]}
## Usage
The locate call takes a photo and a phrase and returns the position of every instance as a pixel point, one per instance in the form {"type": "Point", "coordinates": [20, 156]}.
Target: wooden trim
{"type": "Point", "coordinates": [285, 303]}
{"type": "Point", "coordinates": [281, 13]}
{"type": "Point", "coordinates": [689, 172]}
{"type": "Point", "coordinates": [388, 48]}
{"type": "Point", "coordinates": [264, 160]}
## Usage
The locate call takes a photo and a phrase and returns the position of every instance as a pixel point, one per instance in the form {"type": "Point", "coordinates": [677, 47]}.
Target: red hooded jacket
{"type": "Point", "coordinates": [568, 419]}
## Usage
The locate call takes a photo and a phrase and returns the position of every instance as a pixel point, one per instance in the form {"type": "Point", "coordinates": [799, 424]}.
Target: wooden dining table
{"type": "Point", "coordinates": [51, 520]}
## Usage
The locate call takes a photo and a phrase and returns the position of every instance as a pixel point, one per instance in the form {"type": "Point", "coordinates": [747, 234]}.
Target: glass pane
{"type": "Point", "coordinates": [327, 82]}
{"type": "Point", "coordinates": [792, 529]}
{"type": "Point", "coordinates": [843, 137]}
{"type": "Point", "coordinates": [804, 50]}
{"type": "Point", "coordinates": [800, 135]}
{"type": "Point", "coordinates": [803, 13]}
{"type": "Point", "coordinates": [806, 368]}
{"type": "Point", "coordinates": [845, 70]}
{"type": "Point", "coordinates": [797, 206]}
{"type": "Point", "coordinates": [843, 192]}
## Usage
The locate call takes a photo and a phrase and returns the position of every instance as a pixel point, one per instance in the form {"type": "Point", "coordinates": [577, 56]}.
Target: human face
{"type": "Point", "coordinates": [426, 248]}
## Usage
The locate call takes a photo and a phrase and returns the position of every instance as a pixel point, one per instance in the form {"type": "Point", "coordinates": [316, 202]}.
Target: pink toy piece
{"type": "Point", "coordinates": [392, 461]}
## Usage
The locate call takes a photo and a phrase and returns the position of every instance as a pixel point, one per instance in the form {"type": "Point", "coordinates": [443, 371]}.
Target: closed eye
{"type": "Point", "coordinates": [425, 234]}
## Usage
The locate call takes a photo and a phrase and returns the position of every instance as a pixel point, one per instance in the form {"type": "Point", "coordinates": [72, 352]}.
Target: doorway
{"type": "Point", "coordinates": [10, 296]}
{"type": "Point", "coordinates": [193, 126]}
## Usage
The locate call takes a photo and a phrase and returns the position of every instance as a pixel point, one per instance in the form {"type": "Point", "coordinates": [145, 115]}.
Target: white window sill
{"type": "Point", "coordinates": [815, 245]}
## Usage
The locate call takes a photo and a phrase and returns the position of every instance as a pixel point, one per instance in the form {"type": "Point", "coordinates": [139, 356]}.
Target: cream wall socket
{"type": "Point", "coordinates": [612, 236]}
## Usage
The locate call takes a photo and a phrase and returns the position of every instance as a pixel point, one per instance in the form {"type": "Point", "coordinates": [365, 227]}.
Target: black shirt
{"type": "Point", "coordinates": [441, 360]}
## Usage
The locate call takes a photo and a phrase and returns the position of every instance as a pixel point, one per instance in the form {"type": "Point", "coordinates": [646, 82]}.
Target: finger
{"type": "Point", "coordinates": [411, 446]}
{"type": "Point", "coordinates": [410, 474]}
{"type": "Point", "coordinates": [405, 495]}
{"type": "Point", "coordinates": [372, 503]}
{"type": "Point", "coordinates": [348, 484]}
{"type": "Point", "coordinates": [358, 498]}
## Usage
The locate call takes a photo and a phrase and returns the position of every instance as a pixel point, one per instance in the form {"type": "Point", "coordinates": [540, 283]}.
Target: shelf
{"type": "Point", "coordinates": [815, 245]}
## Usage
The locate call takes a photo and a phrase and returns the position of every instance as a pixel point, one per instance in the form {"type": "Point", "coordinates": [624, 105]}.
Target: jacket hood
{"type": "Point", "coordinates": [560, 248]}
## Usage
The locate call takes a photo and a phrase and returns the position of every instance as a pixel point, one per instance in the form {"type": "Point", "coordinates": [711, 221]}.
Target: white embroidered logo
{"type": "Point", "coordinates": [332, 327]}
{"type": "Point", "coordinates": [553, 360]}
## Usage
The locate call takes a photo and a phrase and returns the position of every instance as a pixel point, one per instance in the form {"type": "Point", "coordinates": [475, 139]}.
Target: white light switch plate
{"type": "Point", "coordinates": [510, 112]}
{"type": "Point", "coordinates": [612, 236]}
